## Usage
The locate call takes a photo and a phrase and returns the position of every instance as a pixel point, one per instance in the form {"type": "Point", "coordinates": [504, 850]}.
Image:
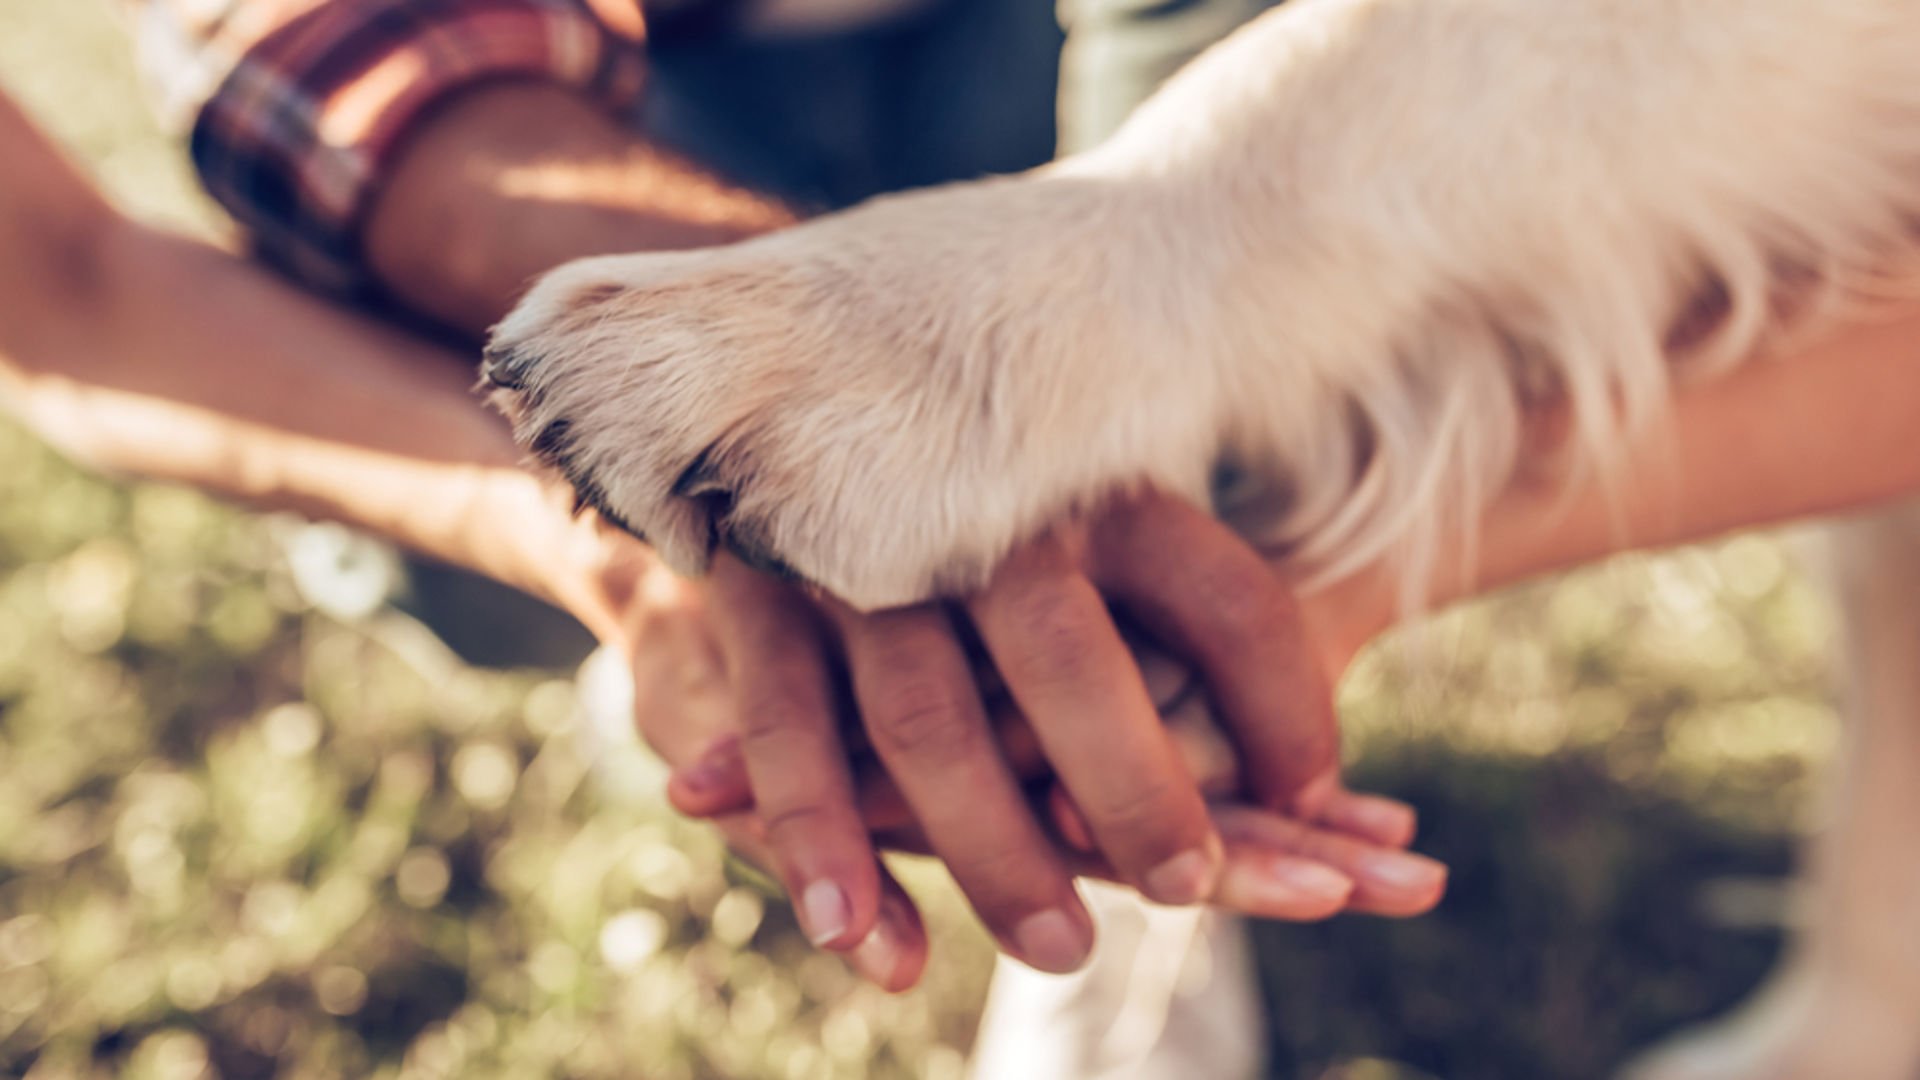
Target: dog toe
{"type": "Point", "coordinates": [506, 366]}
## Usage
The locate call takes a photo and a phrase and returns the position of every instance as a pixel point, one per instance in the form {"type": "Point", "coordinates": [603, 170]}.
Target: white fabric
{"type": "Point", "coordinates": [1168, 995]}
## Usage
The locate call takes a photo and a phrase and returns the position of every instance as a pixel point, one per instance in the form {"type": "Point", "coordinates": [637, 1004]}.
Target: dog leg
{"type": "Point", "coordinates": [1334, 261]}
{"type": "Point", "coordinates": [1846, 1000]}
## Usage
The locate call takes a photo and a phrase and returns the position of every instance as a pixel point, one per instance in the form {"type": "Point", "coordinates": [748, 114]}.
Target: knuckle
{"type": "Point", "coordinates": [776, 719]}
{"type": "Point", "coordinates": [1242, 606]}
{"type": "Point", "coordinates": [1137, 816]}
{"type": "Point", "coordinates": [792, 685]}
{"type": "Point", "coordinates": [1004, 883]}
{"type": "Point", "coordinates": [763, 623]}
{"type": "Point", "coordinates": [1055, 626]}
{"type": "Point", "coordinates": [924, 717]}
{"type": "Point", "coordinates": [806, 822]}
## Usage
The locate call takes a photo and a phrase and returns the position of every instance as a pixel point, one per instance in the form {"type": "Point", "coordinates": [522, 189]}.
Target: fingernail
{"type": "Point", "coordinates": [1403, 870]}
{"type": "Point", "coordinates": [1051, 941]}
{"type": "Point", "coordinates": [877, 958]}
{"type": "Point", "coordinates": [878, 955]}
{"type": "Point", "coordinates": [1187, 878]}
{"type": "Point", "coordinates": [1386, 819]}
{"type": "Point", "coordinates": [825, 912]}
{"type": "Point", "coordinates": [1309, 880]}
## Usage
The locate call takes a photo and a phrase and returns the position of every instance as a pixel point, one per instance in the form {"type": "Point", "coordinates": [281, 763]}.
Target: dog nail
{"type": "Point", "coordinates": [552, 441]}
{"type": "Point", "coordinates": [700, 477]}
{"type": "Point", "coordinates": [506, 367]}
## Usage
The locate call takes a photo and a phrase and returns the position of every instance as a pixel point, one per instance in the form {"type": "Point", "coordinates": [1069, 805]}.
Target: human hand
{"type": "Point", "coordinates": [685, 702]}
{"type": "Point", "coordinates": [1047, 630]}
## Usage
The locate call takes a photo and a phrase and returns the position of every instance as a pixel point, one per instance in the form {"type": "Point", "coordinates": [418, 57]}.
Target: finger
{"type": "Point", "coordinates": [714, 783]}
{"type": "Point", "coordinates": [802, 788]}
{"type": "Point", "coordinates": [1204, 591]}
{"type": "Point", "coordinates": [1069, 822]}
{"type": "Point", "coordinates": [1265, 883]}
{"type": "Point", "coordinates": [1054, 643]}
{"type": "Point", "coordinates": [927, 725]}
{"type": "Point", "coordinates": [1370, 817]}
{"type": "Point", "coordinates": [1268, 881]}
{"type": "Point", "coordinates": [1189, 716]}
{"type": "Point", "coordinates": [1274, 885]}
{"type": "Point", "coordinates": [881, 803]}
{"type": "Point", "coordinates": [884, 807]}
{"type": "Point", "coordinates": [1326, 801]}
{"type": "Point", "coordinates": [1279, 868]}
{"type": "Point", "coordinates": [1386, 881]}
{"type": "Point", "coordinates": [1210, 756]}
{"type": "Point", "coordinates": [893, 955]}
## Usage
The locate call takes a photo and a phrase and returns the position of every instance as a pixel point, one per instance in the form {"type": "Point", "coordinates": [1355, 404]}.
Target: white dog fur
{"type": "Point", "coordinates": [1318, 278]}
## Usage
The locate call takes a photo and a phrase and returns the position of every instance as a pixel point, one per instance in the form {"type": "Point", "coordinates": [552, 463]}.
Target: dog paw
{"type": "Point", "coordinates": [1322, 279]}
{"type": "Point", "coordinates": [881, 403]}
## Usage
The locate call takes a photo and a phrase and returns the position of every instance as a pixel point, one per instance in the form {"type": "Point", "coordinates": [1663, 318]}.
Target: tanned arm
{"type": "Point", "coordinates": [510, 180]}
{"type": "Point", "coordinates": [1827, 429]}
{"type": "Point", "coordinates": [143, 352]}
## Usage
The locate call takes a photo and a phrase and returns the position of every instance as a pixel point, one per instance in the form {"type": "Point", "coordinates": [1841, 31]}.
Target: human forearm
{"type": "Point", "coordinates": [185, 363]}
{"type": "Point", "coordinates": [511, 180]}
{"type": "Point", "coordinates": [1827, 429]}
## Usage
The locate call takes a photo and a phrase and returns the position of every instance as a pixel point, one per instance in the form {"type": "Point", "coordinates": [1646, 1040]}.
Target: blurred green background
{"type": "Point", "coordinates": [241, 838]}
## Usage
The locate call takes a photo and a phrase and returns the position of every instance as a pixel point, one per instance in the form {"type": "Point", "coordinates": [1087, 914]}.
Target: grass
{"type": "Point", "coordinates": [241, 838]}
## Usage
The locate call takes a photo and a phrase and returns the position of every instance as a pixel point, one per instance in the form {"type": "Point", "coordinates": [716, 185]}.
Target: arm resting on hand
{"type": "Point", "coordinates": [508, 181]}
{"type": "Point", "coordinates": [1832, 427]}
{"type": "Point", "coordinates": [148, 353]}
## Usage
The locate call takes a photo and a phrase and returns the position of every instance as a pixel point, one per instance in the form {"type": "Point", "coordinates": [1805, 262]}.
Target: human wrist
{"type": "Point", "coordinates": [521, 529]}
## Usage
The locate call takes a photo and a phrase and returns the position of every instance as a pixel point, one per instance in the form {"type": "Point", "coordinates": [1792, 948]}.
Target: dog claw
{"type": "Point", "coordinates": [699, 478]}
{"type": "Point", "coordinates": [506, 366]}
{"type": "Point", "coordinates": [759, 558]}
{"type": "Point", "coordinates": [552, 445]}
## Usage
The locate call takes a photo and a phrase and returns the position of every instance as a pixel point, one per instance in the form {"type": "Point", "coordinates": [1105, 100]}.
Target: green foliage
{"type": "Point", "coordinates": [236, 834]}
